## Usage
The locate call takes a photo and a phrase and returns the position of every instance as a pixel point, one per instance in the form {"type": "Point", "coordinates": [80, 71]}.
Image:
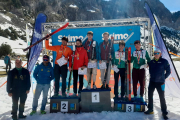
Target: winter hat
{"type": "Point", "coordinates": [79, 40]}
{"type": "Point", "coordinates": [65, 38]}
{"type": "Point", "coordinates": [157, 50]}
{"type": "Point", "coordinates": [45, 58]}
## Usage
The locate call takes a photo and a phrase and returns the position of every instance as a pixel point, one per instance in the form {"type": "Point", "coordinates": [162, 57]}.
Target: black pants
{"type": "Point", "coordinates": [15, 99]}
{"type": "Point", "coordinates": [160, 89]}
{"type": "Point", "coordinates": [7, 67]}
{"type": "Point", "coordinates": [116, 76]}
{"type": "Point", "coordinates": [57, 72]}
{"type": "Point", "coordinates": [138, 75]}
{"type": "Point", "coordinates": [75, 76]}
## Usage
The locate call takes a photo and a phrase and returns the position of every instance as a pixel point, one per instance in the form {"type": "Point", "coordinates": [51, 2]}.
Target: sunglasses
{"type": "Point", "coordinates": [156, 53]}
{"type": "Point", "coordinates": [45, 59]}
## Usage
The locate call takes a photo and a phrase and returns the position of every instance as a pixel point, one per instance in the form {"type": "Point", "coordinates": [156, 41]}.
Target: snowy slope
{"type": "Point", "coordinates": [16, 45]}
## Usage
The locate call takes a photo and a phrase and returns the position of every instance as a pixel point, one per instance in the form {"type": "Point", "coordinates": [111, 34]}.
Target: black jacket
{"type": "Point", "coordinates": [17, 84]}
{"type": "Point", "coordinates": [159, 70]}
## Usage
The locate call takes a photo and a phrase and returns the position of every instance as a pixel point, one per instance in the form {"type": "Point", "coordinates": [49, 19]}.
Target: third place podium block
{"type": "Point", "coordinates": [95, 100]}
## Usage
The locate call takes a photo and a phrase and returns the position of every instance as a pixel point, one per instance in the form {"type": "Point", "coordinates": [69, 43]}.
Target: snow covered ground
{"type": "Point", "coordinates": [16, 45]}
{"type": "Point", "coordinates": [173, 106]}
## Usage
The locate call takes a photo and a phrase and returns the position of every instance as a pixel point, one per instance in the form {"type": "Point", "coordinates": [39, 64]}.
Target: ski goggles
{"type": "Point", "coordinates": [156, 53]}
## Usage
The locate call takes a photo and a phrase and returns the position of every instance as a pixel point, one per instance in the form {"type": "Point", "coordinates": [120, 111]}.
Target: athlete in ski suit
{"type": "Point", "coordinates": [61, 50]}
{"type": "Point", "coordinates": [104, 49]}
{"type": "Point", "coordinates": [119, 61]}
{"type": "Point", "coordinates": [92, 59]}
{"type": "Point", "coordinates": [138, 59]}
{"type": "Point", "coordinates": [80, 61]}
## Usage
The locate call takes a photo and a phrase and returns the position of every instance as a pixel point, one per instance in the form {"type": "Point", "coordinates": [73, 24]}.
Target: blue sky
{"type": "Point", "coordinates": [172, 5]}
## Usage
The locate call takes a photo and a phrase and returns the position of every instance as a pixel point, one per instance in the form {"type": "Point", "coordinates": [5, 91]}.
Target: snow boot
{"type": "Point", "coordinates": [165, 116]}
{"type": "Point", "coordinates": [141, 99]}
{"type": "Point", "coordinates": [63, 94]}
{"type": "Point", "coordinates": [107, 86]}
{"type": "Point", "coordinates": [88, 86]}
{"type": "Point", "coordinates": [55, 95]}
{"type": "Point", "coordinates": [33, 112]}
{"type": "Point", "coordinates": [94, 86]}
{"type": "Point", "coordinates": [22, 116]}
{"type": "Point", "coordinates": [73, 95]}
{"type": "Point", "coordinates": [43, 112]}
{"type": "Point", "coordinates": [149, 112]}
{"type": "Point", "coordinates": [103, 86]}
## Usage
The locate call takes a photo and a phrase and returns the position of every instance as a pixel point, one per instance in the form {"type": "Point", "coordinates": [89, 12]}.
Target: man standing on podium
{"type": "Point", "coordinates": [91, 46]}
{"type": "Point", "coordinates": [61, 51]}
{"type": "Point", "coordinates": [80, 61]}
{"type": "Point", "coordinates": [139, 58]}
{"type": "Point", "coordinates": [104, 49]}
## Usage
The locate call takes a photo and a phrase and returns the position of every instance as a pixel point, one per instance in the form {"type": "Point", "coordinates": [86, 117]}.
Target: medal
{"type": "Point", "coordinates": [120, 56]}
{"type": "Point", "coordinates": [138, 57]}
{"type": "Point", "coordinates": [21, 77]}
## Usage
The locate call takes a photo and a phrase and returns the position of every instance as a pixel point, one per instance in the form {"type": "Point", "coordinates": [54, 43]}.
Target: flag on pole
{"type": "Point", "coordinates": [36, 50]}
{"type": "Point", "coordinates": [172, 82]}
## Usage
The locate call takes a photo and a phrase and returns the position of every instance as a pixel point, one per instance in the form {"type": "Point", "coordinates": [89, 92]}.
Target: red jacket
{"type": "Point", "coordinates": [80, 58]}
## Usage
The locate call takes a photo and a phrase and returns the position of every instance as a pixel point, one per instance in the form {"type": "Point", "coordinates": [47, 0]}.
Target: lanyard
{"type": "Point", "coordinates": [105, 45]}
{"type": "Point", "coordinates": [138, 55]}
{"type": "Point", "coordinates": [89, 45]}
{"type": "Point", "coordinates": [78, 54]}
{"type": "Point", "coordinates": [120, 56]}
{"type": "Point", "coordinates": [63, 51]}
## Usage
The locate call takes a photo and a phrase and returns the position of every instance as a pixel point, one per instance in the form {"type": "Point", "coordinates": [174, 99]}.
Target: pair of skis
{"type": "Point", "coordinates": [128, 73]}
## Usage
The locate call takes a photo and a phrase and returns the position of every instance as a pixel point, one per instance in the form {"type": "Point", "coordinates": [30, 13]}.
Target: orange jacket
{"type": "Point", "coordinates": [60, 50]}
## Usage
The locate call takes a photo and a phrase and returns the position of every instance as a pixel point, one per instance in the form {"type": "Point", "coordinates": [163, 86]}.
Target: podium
{"type": "Point", "coordinates": [129, 106]}
{"type": "Point", "coordinates": [95, 100]}
{"type": "Point", "coordinates": [64, 104]}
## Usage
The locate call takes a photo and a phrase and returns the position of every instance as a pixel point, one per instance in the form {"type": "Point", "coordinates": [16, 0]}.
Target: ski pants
{"type": "Point", "coordinates": [15, 99]}
{"type": "Point", "coordinates": [138, 75]}
{"type": "Point", "coordinates": [8, 65]}
{"type": "Point", "coordinates": [160, 87]}
{"type": "Point", "coordinates": [57, 72]}
{"type": "Point", "coordinates": [90, 72]}
{"type": "Point", "coordinates": [103, 73]}
{"type": "Point", "coordinates": [75, 76]}
{"type": "Point", "coordinates": [116, 77]}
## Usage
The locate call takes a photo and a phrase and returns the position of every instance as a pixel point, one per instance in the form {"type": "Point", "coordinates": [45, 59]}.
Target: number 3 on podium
{"type": "Point", "coordinates": [129, 107]}
{"type": "Point", "coordinates": [95, 97]}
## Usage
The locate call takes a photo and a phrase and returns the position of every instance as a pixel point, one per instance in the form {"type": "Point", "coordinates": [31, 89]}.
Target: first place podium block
{"type": "Point", "coordinates": [95, 100]}
{"type": "Point", "coordinates": [64, 104]}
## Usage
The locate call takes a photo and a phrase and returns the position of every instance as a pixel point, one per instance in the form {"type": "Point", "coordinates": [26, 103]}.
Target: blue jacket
{"type": "Point", "coordinates": [7, 60]}
{"type": "Point", "coordinates": [104, 52]}
{"type": "Point", "coordinates": [86, 45]}
{"type": "Point", "coordinates": [43, 74]}
{"type": "Point", "coordinates": [157, 70]}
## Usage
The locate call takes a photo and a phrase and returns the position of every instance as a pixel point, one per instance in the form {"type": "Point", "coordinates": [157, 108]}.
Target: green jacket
{"type": "Point", "coordinates": [115, 59]}
{"type": "Point", "coordinates": [142, 60]}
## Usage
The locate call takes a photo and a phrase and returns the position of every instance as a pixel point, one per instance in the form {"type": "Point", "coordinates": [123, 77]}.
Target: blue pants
{"type": "Point", "coordinates": [160, 89]}
{"type": "Point", "coordinates": [39, 89]}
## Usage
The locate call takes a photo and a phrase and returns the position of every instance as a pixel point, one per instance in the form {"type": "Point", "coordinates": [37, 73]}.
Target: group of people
{"type": "Point", "coordinates": [87, 52]}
